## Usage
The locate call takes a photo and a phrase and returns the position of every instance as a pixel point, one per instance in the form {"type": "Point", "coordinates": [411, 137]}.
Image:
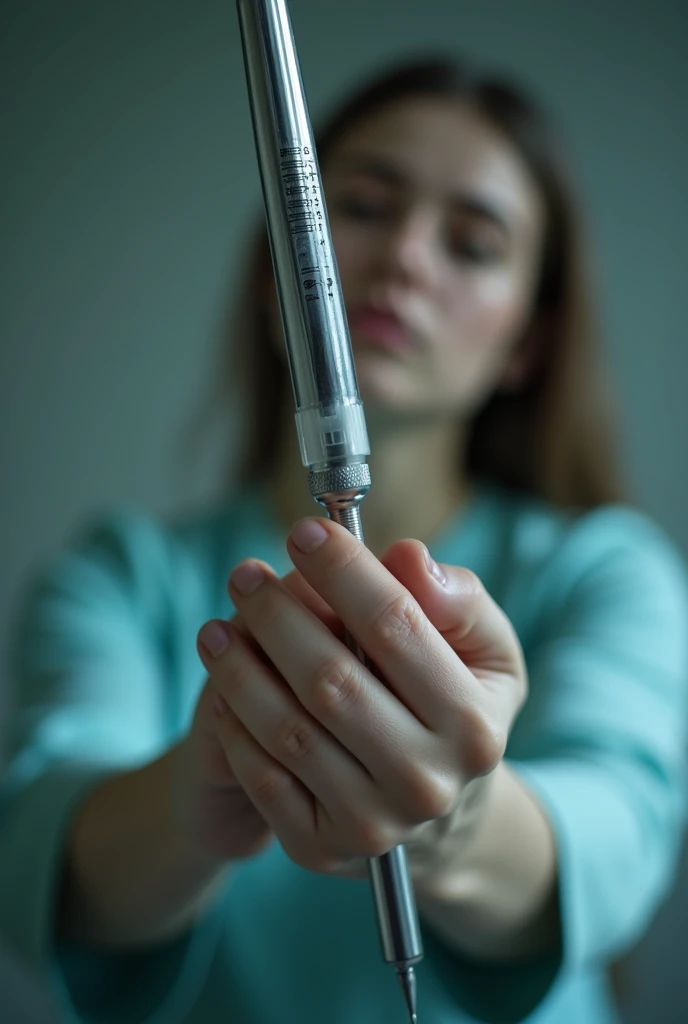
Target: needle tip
{"type": "Point", "coordinates": [407, 980]}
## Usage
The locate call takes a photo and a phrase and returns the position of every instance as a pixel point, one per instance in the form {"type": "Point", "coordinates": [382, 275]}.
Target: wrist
{"type": "Point", "coordinates": [495, 891]}
{"type": "Point", "coordinates": [440, 857]}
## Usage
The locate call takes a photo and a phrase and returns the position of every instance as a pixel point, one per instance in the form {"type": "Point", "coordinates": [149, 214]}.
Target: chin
{"type": "Point", "coordinates": [381, 391]}
{"type": "Point", "coordinates": [385, 404]}
{"type": "Point", "coordinates": [396, 408]}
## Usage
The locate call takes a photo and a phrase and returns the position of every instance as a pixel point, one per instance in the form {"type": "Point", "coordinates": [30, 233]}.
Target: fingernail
{"type": "Point", "coordinates": [214, 638]}
{"type": "Point", "coordinates": [247, 577]}
{"type": "Point", "coordinates": [307, 535]}
{"type": "Point", "coordinates": [434, 568]}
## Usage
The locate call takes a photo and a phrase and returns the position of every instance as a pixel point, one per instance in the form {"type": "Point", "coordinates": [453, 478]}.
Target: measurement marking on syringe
{"type": "Point", "coordinates": [305, 216]}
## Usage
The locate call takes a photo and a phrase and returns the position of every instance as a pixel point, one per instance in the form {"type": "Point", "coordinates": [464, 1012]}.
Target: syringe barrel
{"type": "Point", "coordinates": [329, 414]}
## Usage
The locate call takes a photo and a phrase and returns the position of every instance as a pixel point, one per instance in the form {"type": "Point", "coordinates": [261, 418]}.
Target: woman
{"type": "Point", "coordinates": [187, 814]}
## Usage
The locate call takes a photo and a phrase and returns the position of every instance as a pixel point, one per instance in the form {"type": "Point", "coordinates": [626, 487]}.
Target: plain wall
{"type": "Point", "coordinates": [129, 179]}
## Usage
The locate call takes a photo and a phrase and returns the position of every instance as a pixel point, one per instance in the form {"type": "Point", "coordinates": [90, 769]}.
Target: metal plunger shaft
{"type": "Point", "coordinates": [329, 413]}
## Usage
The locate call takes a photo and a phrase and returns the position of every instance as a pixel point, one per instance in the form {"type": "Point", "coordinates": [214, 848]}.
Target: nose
{"type": "Point", "coordinates": [411, 251]}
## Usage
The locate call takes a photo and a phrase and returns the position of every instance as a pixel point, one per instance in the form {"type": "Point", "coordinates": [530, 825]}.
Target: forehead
{"type": "Point", "coordinates": [443, 147]}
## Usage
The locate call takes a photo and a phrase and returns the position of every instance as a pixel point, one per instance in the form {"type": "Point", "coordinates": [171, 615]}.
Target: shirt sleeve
{"type": "Point", "coordinates": [601, 743]}
{"type": "Point", "coordinates": [605, 730]}
{"type": "Point", "coordinates": [89, 701]}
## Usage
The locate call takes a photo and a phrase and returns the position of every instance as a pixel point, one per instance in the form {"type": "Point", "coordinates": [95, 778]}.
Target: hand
{"type": "Point", "coordinates": [340, 764]}
{"type": "Point", "coordinates": [212, 809]}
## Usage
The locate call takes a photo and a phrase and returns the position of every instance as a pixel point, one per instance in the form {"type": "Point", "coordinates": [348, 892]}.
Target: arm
{"type": "Point", "coordinates": [94, 711]}
{"type": "Point", "coordinates": [495, 897]}
{"type": "Point", "coordinates": [571, 845]}
{"type": "Point", "coordinates": [131, 876]}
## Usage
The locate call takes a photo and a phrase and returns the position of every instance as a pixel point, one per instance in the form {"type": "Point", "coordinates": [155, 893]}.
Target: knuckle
{"type": "Point", "coordinates": [243, 662]}
{"type": "Point", "coordinates": [342, 556]}
{"type": "Point", "coordinates": [320, 863]}
{"type": "Point", "coordinates": [399, 622]}
{"type": "Point", "coordinates": [370, 838]}
{"type": "Point", "coordinates": [237, 676]}
{"type": "Point", "coordinates": [270, 787]}
{"type": "Point", "coordinates": [482, 746]}
{"type": "Point", "coordinates": [295, 739]}
{"type": "Point", "coordinates": [337, 686]}
{"type": "Point", "coordinates": [308, 856]}
{"type": "Point", "coordinates": [432, 795]}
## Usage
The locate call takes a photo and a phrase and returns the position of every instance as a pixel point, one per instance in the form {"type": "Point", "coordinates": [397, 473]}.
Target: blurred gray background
{"type": "Point", "coordinates": [128, 182]}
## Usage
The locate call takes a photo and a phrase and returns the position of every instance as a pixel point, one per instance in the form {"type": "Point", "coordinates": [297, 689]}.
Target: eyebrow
{"type": "Point", "coordinates": [391, 174]}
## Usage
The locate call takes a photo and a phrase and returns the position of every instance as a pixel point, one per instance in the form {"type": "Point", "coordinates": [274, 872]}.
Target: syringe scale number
{"type": "Point", "coordinates": [305, 217]}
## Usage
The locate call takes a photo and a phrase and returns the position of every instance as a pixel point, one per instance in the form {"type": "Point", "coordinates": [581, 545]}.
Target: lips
{"type": "Point", "coordinates": [382, 328]}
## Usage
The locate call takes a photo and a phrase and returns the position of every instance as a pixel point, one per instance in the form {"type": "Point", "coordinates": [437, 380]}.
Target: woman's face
{"type": "Point", "coordinates": [437, 226]}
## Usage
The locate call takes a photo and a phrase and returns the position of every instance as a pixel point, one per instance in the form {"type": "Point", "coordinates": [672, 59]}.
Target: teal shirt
{"type": "Point", "coordinates": [107, 677]}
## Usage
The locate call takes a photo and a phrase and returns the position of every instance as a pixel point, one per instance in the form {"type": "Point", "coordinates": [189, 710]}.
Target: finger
{"type": "Point", "coordinates": [472, 623]}
{"type": "Point", "coordinates": [407, 762]}
{"type": "Point", "coordinates": [268, 709]}
{"type": "Point", "coordinates": [385, 618]}
{"type": "Point", "coordinates": [278, 796]}
{"type": "Point", "coordinates": [458, 605]}
{"type": "Point", "coordinates": [297, 586]}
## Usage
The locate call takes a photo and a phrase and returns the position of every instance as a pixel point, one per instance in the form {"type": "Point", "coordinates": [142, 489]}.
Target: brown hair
{"type": "Point", "coordinates": [552, 437]}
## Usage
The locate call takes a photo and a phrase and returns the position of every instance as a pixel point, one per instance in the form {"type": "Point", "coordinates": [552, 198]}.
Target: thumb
{"type": "Point", "coordinates": [459, 607]}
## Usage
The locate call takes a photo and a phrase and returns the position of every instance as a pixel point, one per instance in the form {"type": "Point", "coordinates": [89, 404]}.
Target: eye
{"type": "Point", "coordinates": [475, 248]}
{"type": "Point", "coordinates": [476, 252]}
{"type": "Point", "coordinates": [362, 208]}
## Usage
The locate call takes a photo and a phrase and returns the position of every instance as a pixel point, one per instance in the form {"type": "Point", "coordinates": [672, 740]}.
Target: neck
{"type": "Point", "coordinates": [417, 483]}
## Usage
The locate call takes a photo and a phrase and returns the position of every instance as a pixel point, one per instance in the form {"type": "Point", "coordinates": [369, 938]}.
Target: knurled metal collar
{"type": "Point", "coordinates": [353, 476]}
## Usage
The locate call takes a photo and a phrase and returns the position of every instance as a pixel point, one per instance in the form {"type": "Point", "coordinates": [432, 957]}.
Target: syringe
{"type": "Point", "coordinates": [329, 414]}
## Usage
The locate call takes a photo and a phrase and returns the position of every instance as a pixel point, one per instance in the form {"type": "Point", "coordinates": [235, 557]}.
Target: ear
{"type": "Point", "coordinates": [526, 355]}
